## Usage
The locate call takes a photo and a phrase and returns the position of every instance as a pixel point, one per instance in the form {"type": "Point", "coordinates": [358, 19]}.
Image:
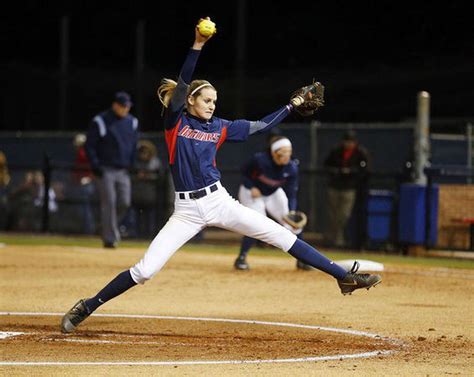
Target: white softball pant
{"type": "Point", "coordinates": [190, 216]}
{"type": "Point", "coordinates": [275, 204]}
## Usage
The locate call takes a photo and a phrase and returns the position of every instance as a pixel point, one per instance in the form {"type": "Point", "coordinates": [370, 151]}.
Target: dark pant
{"type": "Point", "coordinates": [115, 197]}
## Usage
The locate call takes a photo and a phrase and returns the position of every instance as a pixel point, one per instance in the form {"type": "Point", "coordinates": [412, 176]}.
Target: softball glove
{"type": "Point", "coordinates": [296, 219]}
{"type": "Point", "coordinates": [308, 99]}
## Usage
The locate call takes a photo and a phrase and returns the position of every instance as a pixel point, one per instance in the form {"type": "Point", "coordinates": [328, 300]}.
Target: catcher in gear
{"type": "Point", "coordinates": [270, 186]}
{"type": "Point", "coordinates": [308, 99]}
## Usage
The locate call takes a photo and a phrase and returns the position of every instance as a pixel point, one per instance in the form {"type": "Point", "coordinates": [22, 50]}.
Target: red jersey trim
{"type": "Point", "coordinates": [223, 137]}
{"type": "Point", "coordinates": [221, 140]}
{"type": "Point", "coordinates": [171, 136]}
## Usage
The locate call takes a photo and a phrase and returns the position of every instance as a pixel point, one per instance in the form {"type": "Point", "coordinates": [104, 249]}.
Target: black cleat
{"type": "Point", "coordinates": [354, 281]}
{"type": "Point", "coordinates": [74, 317]}
{"type": "Point", "coordinates": [241, 264]}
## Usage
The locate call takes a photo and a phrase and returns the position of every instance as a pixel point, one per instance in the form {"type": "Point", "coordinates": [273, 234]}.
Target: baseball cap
{"type": "Point", "coordinates": [123, 98]}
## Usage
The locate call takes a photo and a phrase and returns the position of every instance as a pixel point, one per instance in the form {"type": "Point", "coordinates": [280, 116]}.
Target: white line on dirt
{"type": "Point", "coordinates": [196, 362]}
{"type": "Point", "coordinates": [207, 362]}
{"type": "Point", "coordinates": [151, 316]}
{"type": "Point", "coordinates": [100, 341]}
{"type": "Point", "coordinates": [9, 334]}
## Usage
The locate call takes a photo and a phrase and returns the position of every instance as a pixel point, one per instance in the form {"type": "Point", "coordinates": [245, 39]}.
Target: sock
{"type": "Point", "coordinates": [245, 246]}
{"type": "Point", "coordinates": [300, 236]}
{"type": "Point", "coordinates": [120, 284]}
{"type": "Point", "coordinates": [309, 255]}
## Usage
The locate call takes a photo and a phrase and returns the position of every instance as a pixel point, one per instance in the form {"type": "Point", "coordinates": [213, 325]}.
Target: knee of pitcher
{"type": "Point", "coordinates": [141, 276]}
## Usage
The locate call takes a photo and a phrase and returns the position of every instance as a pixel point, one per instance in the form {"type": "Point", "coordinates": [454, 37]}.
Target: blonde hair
{"type": "Point", "coordinates": [166, 89]}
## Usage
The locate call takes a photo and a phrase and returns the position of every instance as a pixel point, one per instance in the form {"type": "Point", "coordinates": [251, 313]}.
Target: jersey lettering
{"type": "Point", "coordinates": [190, 133]}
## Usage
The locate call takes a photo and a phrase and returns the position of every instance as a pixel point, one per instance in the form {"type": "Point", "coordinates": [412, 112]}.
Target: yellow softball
{"type": "Point", "coordinates": [206, 28]}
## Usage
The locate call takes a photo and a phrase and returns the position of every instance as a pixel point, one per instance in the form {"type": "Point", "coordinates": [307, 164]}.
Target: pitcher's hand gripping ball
{"type": "Point", "coordinates": [206, 27]}
{"type": "Point", "coordinates": [308, 99]}
{"type": "Point", "coordinates": [296, 219]}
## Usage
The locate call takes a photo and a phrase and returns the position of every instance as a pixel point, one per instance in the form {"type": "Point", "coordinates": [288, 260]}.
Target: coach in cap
{"type": "Point", "coordinates": [111, 148]}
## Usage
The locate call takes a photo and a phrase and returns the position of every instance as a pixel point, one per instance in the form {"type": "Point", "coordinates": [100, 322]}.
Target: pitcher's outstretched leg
{"type": "Point", "coordinates": [354, 281]}
{"type": "Point", "coordinates": [348, 281]}
{"type": "Point", "coordinates": [84, 307]}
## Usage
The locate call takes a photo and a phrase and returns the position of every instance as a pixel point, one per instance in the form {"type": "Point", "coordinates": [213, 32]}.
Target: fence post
{"type": "Point", "coordinates": [240, 57]}
{"type": "Point", "coordinates": [63, 71]}
{"type": "Point", "coordinates": [313, 162]}
{"type": "Point", "coordinates": [429, 184]}
{"type": "Point", "coordinates": [422, 137]}
{"type": "Point", "coordinates": [470, 147]}
{"type": "Point", "coordinates": [362, 238]}
{"type": "Point", "coordinates": [47, 185]}
{"type": "Point", "coordinates": [139, 67]}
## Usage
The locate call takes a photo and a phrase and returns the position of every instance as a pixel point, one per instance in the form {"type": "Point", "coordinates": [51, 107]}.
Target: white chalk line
{"type": "Point", "coordinates": [252, 322]}
{"type": "Point", "coordinates": [196, 362]}
{"type": "Point", "coordinates": [9, 334]}
{"type": "Point", "coordinates": [206, 362]}
{"type": "Point", "coordinates": [99, 341]}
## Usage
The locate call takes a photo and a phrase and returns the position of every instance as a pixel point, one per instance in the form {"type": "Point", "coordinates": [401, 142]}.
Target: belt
{"type": "Point", "coordinates": [198, 194]}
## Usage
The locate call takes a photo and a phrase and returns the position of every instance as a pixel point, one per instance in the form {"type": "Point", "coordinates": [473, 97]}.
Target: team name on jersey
{"type": "Point", "coordinates": [189, 133]}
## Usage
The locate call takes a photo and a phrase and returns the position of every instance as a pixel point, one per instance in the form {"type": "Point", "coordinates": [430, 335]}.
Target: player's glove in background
{"type": "Point", "coordinates": [296, 219]}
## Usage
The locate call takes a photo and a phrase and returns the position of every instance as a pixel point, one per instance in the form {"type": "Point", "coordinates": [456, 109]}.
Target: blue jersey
{"type": "Point", "coordinates": [112, 141]}
{"type": "Point", "coordinates": [193, 142]}
{"type": "Point", "coordinates": [262, 172]}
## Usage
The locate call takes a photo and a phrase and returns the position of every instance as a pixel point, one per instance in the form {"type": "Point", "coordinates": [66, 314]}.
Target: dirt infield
{"type": "Point", "coordinates": [417, 322]}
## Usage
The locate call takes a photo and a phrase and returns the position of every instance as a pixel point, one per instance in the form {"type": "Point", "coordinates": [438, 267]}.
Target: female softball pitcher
{"type": "Point", "coordinates": [193, 136]}
{"type": "Point", "coordinates": [270, 185]}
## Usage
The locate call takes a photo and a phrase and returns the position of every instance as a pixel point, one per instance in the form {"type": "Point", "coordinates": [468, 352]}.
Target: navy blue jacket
{"type": "Point", "coordinates": [112, 141]}
{"type": "Point", "coordinates": [261, 172]}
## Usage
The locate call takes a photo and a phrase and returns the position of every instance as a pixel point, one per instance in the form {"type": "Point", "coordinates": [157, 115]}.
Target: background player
{"type": "Point", "coordinates": [193, 136]}
{"type": "Point", "coordinates": [270, 185]}
{"type": "Point", "coordinates": [348, 164]}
